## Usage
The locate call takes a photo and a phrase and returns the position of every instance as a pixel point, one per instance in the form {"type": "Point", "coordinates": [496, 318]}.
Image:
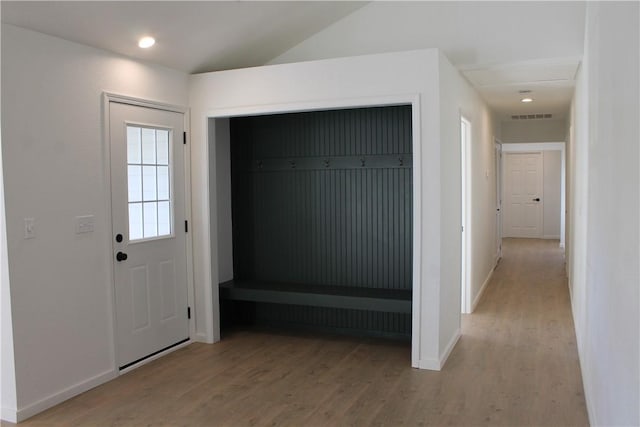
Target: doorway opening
{"type": "Point", "coordinates": [534, 174]}
{"type": "Point", "coordinates": [322, 221]}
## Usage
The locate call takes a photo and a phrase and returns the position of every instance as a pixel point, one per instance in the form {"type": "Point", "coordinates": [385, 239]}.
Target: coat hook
{"type": "Point", "coordinates": [362, 162]}
{"type": "Point", "coordinates": [401, 161]}
{"type": "Point", "coordinates": [293, 164]}
{"type": "Point", "coordinates": [259, 162]}
{"type": "Point", "coordinates": [326, 163]}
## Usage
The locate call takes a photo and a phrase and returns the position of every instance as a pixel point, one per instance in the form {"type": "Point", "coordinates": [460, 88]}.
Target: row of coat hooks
{"type": "Point", "coordinates": [342, 162]}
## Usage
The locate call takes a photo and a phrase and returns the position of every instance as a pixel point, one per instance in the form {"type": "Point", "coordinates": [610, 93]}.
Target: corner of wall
{"type": "Point", "coordinates": [8, 392]}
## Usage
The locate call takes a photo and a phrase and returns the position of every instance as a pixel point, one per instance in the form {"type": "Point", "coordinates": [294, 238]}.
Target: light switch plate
{"type": "Point", "coordinates": [84, 224]}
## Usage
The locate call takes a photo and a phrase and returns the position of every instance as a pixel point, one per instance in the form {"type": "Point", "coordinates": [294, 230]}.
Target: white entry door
{"type": "Point", "coordinates": [149, 246]}
{"type": "Point", "coordinates": [523, 195]}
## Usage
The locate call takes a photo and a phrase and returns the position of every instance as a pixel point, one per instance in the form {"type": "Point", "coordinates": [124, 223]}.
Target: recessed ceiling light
{"type": "Point", "coordinates": [146, 42]}
{"type": "Point", "coordinates": [526, 100]}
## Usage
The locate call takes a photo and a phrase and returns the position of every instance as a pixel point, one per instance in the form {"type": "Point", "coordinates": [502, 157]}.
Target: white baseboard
{"type": "Point", "coordinates": [551, 237]}
{"type": "Point", "coordinates": [591, 411]}
{"type": "Point", "coordinates": [202, 338]}
{"type": "Point", "coordinates": [429, 364]}
{"type": "Point", "coordinates": [9, 415]}
{"type": "Point", "coordinates": [476, 300]}
{"type": "Point", "coordinates": [449, 348]}
{"type": "Point", "coordinates": [64, 394]}
{"type": "Point", "coordinates": [437, 364]}
{"type": "Point", "coordinates": [69, 392]}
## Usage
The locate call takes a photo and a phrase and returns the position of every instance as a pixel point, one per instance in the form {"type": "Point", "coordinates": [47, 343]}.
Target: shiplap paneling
{"type": "Point", "coordinates": [325, 198]}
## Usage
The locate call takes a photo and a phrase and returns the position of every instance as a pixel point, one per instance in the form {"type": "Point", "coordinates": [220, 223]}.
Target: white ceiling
{"type": "Point", "coordinates": [192, 36]}
{"type": "Point", "coordinates": [500, 47]}
{"type": "Point", "coordinates": [550, 82]}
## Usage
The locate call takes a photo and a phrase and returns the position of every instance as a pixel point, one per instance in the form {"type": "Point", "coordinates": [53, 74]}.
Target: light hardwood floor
{"type": "Point", "coordinates": [516, 364]}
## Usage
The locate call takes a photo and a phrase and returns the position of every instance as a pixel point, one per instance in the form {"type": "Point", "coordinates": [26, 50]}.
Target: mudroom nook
{"type": "Point", "coordinates": [322, 221]}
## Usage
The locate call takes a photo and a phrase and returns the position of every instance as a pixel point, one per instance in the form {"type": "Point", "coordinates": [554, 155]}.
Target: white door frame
{"type": "Point", "coordinates": [499, 213]}
{"type": "Point", "coordinates": [212, 312]}
{"type": "Point", "coordinates": [107, 98]}
{"type": "Point", "coordinates": [544, 146]}
{"type": "Point", "coordinates": [465, 215]}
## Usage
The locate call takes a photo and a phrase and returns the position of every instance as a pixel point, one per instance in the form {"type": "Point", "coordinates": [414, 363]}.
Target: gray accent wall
{"type": "Point", "coordinates": [325, 198]}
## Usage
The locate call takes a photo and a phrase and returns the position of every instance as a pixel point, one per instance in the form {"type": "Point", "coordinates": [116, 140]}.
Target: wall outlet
{"type": "Point", "coordinates": [84, 224]}
{"type": "Point", "coordinates": [29, 228]}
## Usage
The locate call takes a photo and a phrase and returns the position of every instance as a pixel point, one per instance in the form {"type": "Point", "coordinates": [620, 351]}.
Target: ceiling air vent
{"type": "Point", "coordinates": [531, 116]}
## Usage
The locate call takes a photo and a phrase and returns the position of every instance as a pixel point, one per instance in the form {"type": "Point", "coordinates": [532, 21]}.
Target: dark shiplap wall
{"type": "Point", "coordinates": [325, 198]}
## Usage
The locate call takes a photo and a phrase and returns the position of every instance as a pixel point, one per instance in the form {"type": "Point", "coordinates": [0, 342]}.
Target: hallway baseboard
{"type": "Point", "coordinates": [64, 394]}
{"type": "Point", "coordinates": [484, 287]}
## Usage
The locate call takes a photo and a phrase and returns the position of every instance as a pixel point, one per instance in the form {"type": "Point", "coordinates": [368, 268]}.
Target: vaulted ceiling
{"type": "Point", "coordinates": [192, 36]}
{"type": "Point", "coordinates": [502, 48]}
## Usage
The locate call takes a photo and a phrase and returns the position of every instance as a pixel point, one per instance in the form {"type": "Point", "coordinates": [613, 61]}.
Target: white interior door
{"type": "Point", "coordinates": [148, 213]}
{"type": "Point", "coordinates": [523, 195]}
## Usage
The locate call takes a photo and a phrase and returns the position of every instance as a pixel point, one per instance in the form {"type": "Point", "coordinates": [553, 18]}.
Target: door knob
{"type": "Point", "coordinates": [537, 199]}
{"type": "Point", "coordinates": [121, 256]}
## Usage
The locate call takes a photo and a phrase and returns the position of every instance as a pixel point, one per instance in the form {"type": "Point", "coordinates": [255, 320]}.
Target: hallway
{"type": "Point", "coordinates": [516, 364]}
{"type": "Point", "coordinates": [522, 335]}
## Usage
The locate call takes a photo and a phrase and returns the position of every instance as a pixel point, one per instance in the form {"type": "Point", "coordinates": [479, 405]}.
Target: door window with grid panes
{"type": "Point", "coordinates": [149, 182]}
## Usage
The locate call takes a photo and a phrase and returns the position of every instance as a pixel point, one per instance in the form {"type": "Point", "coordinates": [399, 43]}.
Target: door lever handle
{"type": "Point", "coordinates": [537, 199]}
{"type": "Point", "coordinates": [121, 256]}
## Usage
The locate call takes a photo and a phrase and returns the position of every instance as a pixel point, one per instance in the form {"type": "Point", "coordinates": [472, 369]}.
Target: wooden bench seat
{"type": "Point", "coordinates": [383, 300]}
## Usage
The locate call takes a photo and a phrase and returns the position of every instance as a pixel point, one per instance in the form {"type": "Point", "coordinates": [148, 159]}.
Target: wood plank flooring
{"type": "Point", "coordinates": [516, 364]}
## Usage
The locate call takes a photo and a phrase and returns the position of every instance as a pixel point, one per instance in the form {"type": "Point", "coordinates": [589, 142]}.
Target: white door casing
{"type": "Point", "coordinates": [466, 304]}
{"type": "Point", "coordinates": [498, 169]}
{"type": "Point", "coordinates": [148, 212]}
{"type": "Point", "coordinates": [523, 196]}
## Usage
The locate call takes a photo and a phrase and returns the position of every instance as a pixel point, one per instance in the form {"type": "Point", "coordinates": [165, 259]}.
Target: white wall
{"type": "Point", "coordinates": [534, 130]}
{"type": "Point", "coordinates": [552, 170]}
{"type": "Point", "coordinates": [7, 361]}
{"type": "Point", "coordinates": [394, 26]}
{"type": "Point", "coordinates": [458, 97]}
{"type": "Point", "coordinates": [53, 164]}
{"type": "Point", "coordinates": [464, 31]}
{"type": "Point", "coordinates": [358, 81]}
{"type": "Point", "coordinates": [605, 234]}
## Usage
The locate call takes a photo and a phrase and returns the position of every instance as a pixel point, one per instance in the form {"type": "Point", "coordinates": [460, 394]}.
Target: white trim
{"type": "Point", "coordinates": [528, 147]}
{"type": "Point", "coordinates": [476, 300]}
{"type": "Point", "coordinates": [449, 348]}
{"type": "Point", "coordinates": [64, 394]}
{"type": "Point", "coordinates": [9, 415]}
{"type": "Point", "coordinates": [416, 305]}
{"type": "Point", "coordinates": [497, 152]}
{"type": "Point", "coordinates": [551, 237]}
{"type": "Point", "coordinates": [319, 105]}
{"type": "Point", "coordinates": [212, 311]}
{"type": "Point", "coordinates": [438, 364]}
{"type": "Point", "coordinates": [156, 105]}
{"type": "Point", "coordinates": [107, 98]}
{"type": "Point", "coordinates": [191, 299]}
{"type": "Point", "coordinates": [200, 338]}
{"type": "Point", "coordinates": [429, 364]}
{"type": "Point", "coordinates": [466, 202]}
{"type": "Point", "coordinates": [106, 173]}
